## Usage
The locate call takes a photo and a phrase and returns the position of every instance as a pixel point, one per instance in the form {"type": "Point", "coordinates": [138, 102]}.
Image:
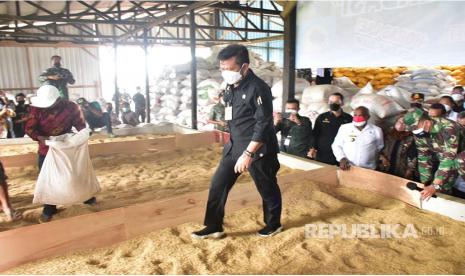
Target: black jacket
{"type": "Point", "coordinates": [252, 117]}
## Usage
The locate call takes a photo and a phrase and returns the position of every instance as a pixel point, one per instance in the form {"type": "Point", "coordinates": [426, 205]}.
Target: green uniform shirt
{"type": "Point", "coordinates": [300, 136]}
{"type": "Point", "coordinates": [62, 83]}
{"type": "Point", "coordinates": [444, 143]}
{"type": "Point", "coordinates": [217, 114]}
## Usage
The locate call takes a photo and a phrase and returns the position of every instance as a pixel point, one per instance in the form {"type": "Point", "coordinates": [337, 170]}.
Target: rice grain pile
{"type": "Point", "coordinates": [172, 251]}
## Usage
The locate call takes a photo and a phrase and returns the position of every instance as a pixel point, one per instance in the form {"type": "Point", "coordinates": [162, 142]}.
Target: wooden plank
{"type": "Point", "coordinates": [195, 140]}
{"type": "Point", "coordinates": [28, 159]}
{"type": "Point", "coordinates": [381, 183]}
{"type": "Point", "coordinates": [445, 205]}
{"type": "Point", "coordinates": [132, 147]}
{"type": "Point", "coordinates": [185, 141]}
{"type": "Point", "coordinates": [59, 237]}
{"type": "Point", "coordinates": [299, 163]}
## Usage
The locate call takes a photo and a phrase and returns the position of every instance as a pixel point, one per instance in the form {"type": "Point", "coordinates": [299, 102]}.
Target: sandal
{"type": "Point", "coordinates": [12, 214]}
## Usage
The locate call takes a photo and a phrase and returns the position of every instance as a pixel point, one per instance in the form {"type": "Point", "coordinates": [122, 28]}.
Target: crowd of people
{"type": "Point", "coordinates": [425, 144]}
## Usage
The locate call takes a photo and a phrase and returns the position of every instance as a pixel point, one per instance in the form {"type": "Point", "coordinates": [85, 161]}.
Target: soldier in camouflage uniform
{"type": "Point", "coordinates": [58, 77]}
{"type": "Point", "coordinates": [440, 137]}
{"type": "Point", "coordinates": [460, 159]}
{"type": "Point", "coordinates": [216, 115]}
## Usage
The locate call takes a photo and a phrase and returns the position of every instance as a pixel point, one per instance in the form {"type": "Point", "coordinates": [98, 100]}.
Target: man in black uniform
{"type": "Point", "coordinates": [253, 145]}
{"type": "Point", "coordinates": [326, 127]}
{"type": "Point", "coordinates": [139, 103]}
{"type": "Point", "coordinates": [296, 131]}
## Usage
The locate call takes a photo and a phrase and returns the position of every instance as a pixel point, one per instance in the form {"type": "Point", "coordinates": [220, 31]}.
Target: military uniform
{"type": "Point", "coordinates": [252, 120]}
{"type": "Point", "coordinates": [217, 114]}
{"type": "Point", "coordinates": [61, 84]}
{"type": "Point", "coordinates": [295, 139]}
{"type": "Point", "coordinates": [442, 142]}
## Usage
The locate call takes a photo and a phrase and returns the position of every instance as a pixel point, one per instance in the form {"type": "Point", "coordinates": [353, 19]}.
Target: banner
{"type": "Point", "coordinates": [380, 33]}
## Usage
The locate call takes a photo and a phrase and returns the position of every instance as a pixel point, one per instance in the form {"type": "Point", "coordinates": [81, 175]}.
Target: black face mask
{"type": "Point", "coordinates": [109, 109]}
{"type": "Point", "coordinates": [416, 105]}
{"type": "Point", "coordinates": [57, 64]}
{"type": "Point", "coordinates": [334, 106]}
{"type": "Point", "coordinates": [21, 102]}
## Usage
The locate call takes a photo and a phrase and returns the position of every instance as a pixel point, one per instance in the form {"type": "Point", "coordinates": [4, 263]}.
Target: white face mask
{"type": "Point", "coordinates": [360, 124]}
{"type": "Point", "coordinates": [448, 108]}
{"type": "Point", "coordinates": [418, 131]}
{"type": "Point", "coordinates": [292, 111]}
{"type": "Point", "coordinates": [232, 77]}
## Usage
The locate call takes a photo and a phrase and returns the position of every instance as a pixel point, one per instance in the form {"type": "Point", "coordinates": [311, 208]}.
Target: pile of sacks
{"type": "Point", "coordinates": [456, 72]}
{"type": "Point", "coordinates": [378, 77]}
{"type": "Point", "coordinates": [172, 96]}
{"type": "Point", "coordinates": [431, 82]}
{"type": "Point", "coordinates": [277, 92]}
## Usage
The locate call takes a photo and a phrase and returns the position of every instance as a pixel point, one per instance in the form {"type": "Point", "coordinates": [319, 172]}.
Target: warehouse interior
{"type": "Point", "coordinates": [361, 77]}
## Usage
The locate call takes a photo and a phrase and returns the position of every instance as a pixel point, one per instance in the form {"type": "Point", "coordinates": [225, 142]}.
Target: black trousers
{"type": "Point", "coordinates": [141, 114]}
{"type": "Point", "coordinates": [263, 172]}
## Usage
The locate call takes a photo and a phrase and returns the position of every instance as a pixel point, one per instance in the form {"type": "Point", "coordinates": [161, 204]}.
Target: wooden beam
{"type": "Point", "coordinates": [381, 183]}
{"type": "Point", "coordinates": [184, 141]}
{"type": "Point", "coordinates": [395, 187]}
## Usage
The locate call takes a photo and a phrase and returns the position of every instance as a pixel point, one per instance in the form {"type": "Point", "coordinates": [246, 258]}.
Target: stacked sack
{"type": "Point", "coordinates": [315, 99]}
{"type": "Point", "coordinates": [378, 77]}
{"type": "Point", "coordinates": [277, 92]}
{"type": "Point", "coordinates": [456, 72]}
{"type": "Point", "coordinates": [431, 82]}
{"type": "Point", "coordinates": [171, 90]}
{"type": "Point", "coordinates": [383, 108]}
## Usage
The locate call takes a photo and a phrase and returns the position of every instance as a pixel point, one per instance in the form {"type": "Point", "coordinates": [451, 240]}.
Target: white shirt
{"type": "Point", "coordinates": [453, 116]}
{"type": "Point", "coordinates": [361, 148]}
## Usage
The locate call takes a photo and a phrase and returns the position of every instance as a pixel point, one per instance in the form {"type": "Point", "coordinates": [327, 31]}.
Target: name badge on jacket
{"type": "Point", "coordinates": [228, 113]}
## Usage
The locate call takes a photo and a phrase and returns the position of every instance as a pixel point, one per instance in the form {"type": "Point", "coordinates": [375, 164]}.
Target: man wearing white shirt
{"type": "Point", "coordinates": [358, 143]}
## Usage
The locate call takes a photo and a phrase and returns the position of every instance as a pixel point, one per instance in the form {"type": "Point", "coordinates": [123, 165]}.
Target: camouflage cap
{"type": "Point", "coordinates": [412, 117]}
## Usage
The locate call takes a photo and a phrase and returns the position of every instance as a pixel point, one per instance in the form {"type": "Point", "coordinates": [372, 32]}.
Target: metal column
{"type": "Point", "coordinates": [193, 69]}
{"type": "Point", "coordinates": [289, 56]}
{"type": "Point", "coordinates": [147, 82]}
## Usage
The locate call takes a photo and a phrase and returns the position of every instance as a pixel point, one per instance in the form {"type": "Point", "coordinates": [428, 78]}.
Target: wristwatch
{"type": "Point", "coordinates": [249, 154]}
{"type": "Point", "coordinates": [437, 187]}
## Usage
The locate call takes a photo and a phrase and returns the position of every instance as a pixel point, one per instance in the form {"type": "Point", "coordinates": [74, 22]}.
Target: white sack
{"type": "Point", "coordinates": [67, 175]}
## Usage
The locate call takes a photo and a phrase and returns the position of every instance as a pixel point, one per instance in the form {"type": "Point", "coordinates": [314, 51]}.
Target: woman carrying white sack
{"type": "Point", "coordinates": [66, 174]}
